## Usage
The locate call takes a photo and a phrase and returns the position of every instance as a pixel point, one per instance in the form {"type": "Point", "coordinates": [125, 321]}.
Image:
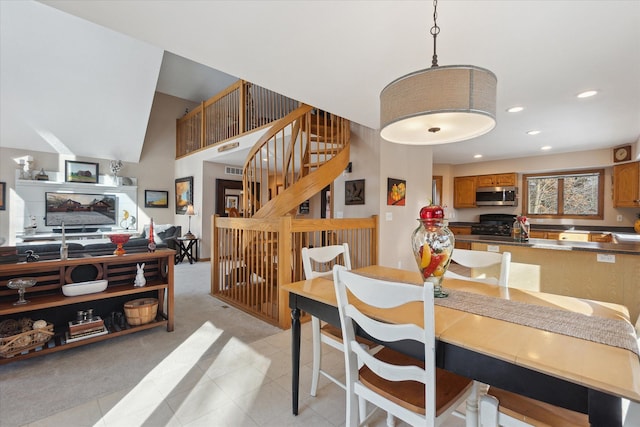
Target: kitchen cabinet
{"type": "Point", "coordinates": [464, 192]}
{"type": "Point", "coordinates": [626, 185]}
{"type": "Point", "coordinates": [464, 187]}
{"type": "Point", "coordinates": [601, 237]}
{"type": "Point", "coordinates": [540, 234]}
{"type": "Point", "coordinates": [458, 230]}
{"type": "Point", "coordinates": [497, 180]}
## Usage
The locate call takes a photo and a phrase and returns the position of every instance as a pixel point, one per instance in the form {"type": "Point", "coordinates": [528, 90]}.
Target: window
{"type": "Point", "coordinates": [570, 194]}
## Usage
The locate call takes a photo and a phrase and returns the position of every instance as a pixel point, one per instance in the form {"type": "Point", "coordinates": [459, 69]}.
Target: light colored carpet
{"type": "Point", "coordinates": [33, 389]}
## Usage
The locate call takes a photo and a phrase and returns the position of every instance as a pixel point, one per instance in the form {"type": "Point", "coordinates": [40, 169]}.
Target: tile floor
{"type": "Point", "coordinates": [242, 385]}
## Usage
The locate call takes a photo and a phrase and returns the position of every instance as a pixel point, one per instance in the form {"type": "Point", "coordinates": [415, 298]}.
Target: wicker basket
{"type": "Point", "coordinates": [141, 311]}
{"type": "Point", "coordinates": [28, 339]}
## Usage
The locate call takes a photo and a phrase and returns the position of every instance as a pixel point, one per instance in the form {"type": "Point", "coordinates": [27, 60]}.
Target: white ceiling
{"type": "Point", "coordinates": [88, 87]}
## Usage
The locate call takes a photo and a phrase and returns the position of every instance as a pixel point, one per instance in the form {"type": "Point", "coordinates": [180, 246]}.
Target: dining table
{"type": "Point", "coordinates": [575, 353]}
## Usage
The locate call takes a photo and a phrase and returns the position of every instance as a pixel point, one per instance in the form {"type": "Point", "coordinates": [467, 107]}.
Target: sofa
{"type": "Point", "coordinates": [164, 238]}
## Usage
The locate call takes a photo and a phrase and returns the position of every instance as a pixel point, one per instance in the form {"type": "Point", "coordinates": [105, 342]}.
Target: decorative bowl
{"type": "Point", "coordinates": [119, 239]}
{"type": "Point", "coordinates": [83, 288]}
{"type": "Point", "coordinates": [21, 284]}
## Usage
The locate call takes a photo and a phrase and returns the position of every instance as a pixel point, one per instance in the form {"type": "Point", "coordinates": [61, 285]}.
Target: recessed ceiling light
{"type": "Point", "coordinates": [514, 109]}
{"type": "Point", "coordinates": [533, 132]}
{"type": "Point", "coordinates": [587, 94]}
{"type": "Point", "coordinates": [477, 156]}
{"type": "Point", "coordinates": [546, 147]}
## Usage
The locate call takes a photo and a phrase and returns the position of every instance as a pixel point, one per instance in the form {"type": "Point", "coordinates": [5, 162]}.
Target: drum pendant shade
{"type": "Point", "coordinates": [439, 105]}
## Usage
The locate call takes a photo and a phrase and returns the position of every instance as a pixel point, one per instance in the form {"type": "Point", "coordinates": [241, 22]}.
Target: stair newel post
{"type": "Point", "coordinates": [284, 274]}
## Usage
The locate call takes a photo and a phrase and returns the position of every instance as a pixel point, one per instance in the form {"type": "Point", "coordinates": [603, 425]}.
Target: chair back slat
{"type": "Point", "coordinates": [324, 256]}
{"type": "Point", "coordinates": [482, 260]}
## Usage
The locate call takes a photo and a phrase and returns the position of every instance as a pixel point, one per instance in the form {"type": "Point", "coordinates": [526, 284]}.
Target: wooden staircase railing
{"type": "Point", "coordinates": [295, 159]}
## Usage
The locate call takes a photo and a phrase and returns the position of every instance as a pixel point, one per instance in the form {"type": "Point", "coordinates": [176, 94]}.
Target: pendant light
{"type": "Point", "coordinates": [438, 105]}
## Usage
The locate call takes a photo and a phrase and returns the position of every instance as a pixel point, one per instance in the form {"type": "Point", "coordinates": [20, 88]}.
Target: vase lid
{"type": "Point", "coordinates": [431, 212]}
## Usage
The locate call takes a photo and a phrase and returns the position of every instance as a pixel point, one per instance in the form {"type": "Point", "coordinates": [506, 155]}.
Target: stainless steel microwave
{"type": "Point", "coordinates": [497, 196]}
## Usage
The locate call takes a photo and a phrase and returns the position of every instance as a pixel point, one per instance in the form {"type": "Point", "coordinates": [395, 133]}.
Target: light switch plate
{"type": "Point", "coordinates": [388, 216]}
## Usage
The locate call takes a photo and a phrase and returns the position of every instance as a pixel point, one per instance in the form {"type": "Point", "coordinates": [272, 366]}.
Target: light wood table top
{"type": "Point", "coordinates": [609, 369]}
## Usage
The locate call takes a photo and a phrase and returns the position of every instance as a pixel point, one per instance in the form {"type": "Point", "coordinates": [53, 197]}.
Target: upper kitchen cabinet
{"type": "Point", "coordinates": [464, 192]}
{"type": "Point", "coordinates": [626, 185]}
{"type": "Point", "coordinates": [497, 180]}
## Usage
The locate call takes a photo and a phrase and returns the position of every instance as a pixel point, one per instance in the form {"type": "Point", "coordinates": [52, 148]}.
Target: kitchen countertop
{"type": "Point", "coordinates": [613, 248]}
{"type": "Point", "coordinates": [560, 227]}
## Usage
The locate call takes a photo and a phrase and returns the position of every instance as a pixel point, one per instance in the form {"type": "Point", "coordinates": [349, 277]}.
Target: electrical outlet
{"type": "Point", "coordinates": [619, 218]}
{"type": "Point", "coordinates": [493, 248]}
{"type": "Point", "coordinates": [610, 258]}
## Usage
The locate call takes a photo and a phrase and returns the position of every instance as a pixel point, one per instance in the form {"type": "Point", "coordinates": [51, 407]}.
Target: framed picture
{"type": "Point", "coordinates": [3, 197]}
{"type": "Point", "coordinates": [354, 192]}
{"type": "Point", "coordinates": [156, 199]}
{"type": "Point", "coordinates": [231, 202]}
{"type": "Point", "coordinates": [396, 192]}
{"type": "Point", "coordinates": [184, 194]}
{"type": "Point", "coordinates": [81, 172]}
{"type": "Point", "coordinates": [304, 208]}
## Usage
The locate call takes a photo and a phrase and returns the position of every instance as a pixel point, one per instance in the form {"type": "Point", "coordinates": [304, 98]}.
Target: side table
{"type": "Point", "coordinates": [187, 248]}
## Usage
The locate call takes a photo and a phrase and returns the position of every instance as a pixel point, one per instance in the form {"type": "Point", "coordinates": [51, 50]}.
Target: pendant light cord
{"type": "Point", "coordinates": [435, 30]}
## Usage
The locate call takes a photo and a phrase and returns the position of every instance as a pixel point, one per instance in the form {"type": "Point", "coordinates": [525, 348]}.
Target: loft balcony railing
{"type": "Point", "coordinates": [241, 108]}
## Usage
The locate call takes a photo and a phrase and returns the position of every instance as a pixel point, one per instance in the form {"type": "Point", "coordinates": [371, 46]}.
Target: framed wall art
{"type": "Point", "coordinates": [156, 199]}
{"type": "Point", "coordinates": [231, 202]}
{"type": "Point", "coordinates": [85, 172]}
{"type": "Point", "coordinates": [184, 194]}
{"type": "Point", "coordinates": [396, 192]}
{"type": "Point", "coordinates": [354, 192]}
{"type": "Point", "coordinates": [3, 196]}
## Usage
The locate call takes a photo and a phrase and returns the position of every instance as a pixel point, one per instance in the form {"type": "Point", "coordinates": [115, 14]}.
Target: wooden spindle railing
{"type": "Point", "coordinates": [253, 257]}
{"type": "Point", "coordinates": [297, 157]}
{"type": "Point", "coordinates": [241, 108]}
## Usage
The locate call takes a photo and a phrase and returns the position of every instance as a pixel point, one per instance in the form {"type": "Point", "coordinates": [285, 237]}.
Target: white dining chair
{"type": "Point", "coordinates": [318, 262]}
{"type": "Point", "coordinates": [484, 261]}
{"type": "Point", "coordinates": [413, 390]}
{"type": "Point", "coordinates": [506, 409]}
{"type": "Point", "coordinates": [485, 267]}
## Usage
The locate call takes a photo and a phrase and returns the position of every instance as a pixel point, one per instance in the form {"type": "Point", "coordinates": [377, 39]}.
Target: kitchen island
{"type": "Point", "coordinates": [592, 270]}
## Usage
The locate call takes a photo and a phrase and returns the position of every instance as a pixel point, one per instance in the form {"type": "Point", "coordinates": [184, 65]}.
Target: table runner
{"type": "Point", "coordinates": [613, 332]}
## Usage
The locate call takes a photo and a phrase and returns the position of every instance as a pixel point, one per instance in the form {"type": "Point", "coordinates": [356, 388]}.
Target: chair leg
{"type": "Point", "coordinates": [317, 354]}
{"type": "Point", "coordinates": [471, 413]}
{"type": "Point", "coordinates": [362, 409]}
{"type": "Point", "coordinates": [391, 420]}
{"type": "Point", "coordinates": [488, 411]}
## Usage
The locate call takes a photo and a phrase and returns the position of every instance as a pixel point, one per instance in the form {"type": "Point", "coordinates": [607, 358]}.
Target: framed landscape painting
{"type": "Point", "coordinates": [85, 172]}
{"type": "Point", "coordinates": [184, 194]}
{"type": "Point", "coordinates": [156, 199]}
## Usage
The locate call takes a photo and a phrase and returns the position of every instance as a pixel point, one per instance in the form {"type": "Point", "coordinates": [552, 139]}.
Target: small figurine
{"type": "Point", "coordinates": [140, 280]}
{"type": "Point", "coordinates": [31, 256]}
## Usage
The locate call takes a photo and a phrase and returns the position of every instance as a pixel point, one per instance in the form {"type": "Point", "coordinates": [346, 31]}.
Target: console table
{"type": "Point", "coordinates": [47, 302]}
